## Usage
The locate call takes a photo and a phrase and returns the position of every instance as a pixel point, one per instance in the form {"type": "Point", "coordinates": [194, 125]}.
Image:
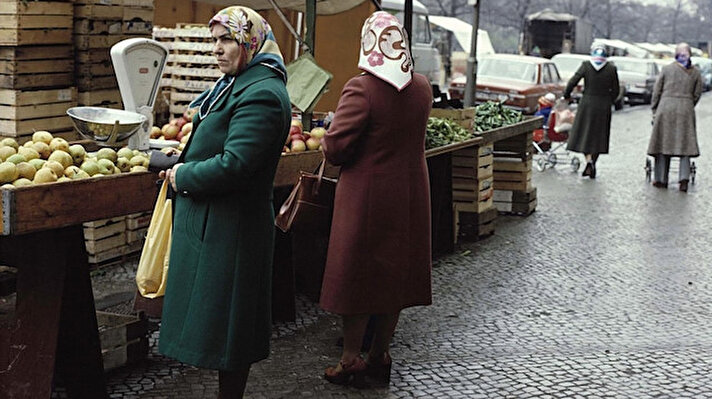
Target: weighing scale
{"type": "Point", "coordinates": [138, 64]}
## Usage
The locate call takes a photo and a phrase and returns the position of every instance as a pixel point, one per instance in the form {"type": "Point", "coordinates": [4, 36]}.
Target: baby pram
{"type": "Point", "coordinates": [550, 140]}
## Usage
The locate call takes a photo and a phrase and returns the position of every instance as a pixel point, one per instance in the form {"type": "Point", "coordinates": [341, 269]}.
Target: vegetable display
{"type": "Point", "coordinates": [442, 132]}
{"type": "Point", "coordinates": [491, 115]}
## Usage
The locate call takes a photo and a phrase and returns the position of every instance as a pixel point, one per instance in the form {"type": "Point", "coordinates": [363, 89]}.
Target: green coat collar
{"type": "Point", "coordinates": [243, 81]}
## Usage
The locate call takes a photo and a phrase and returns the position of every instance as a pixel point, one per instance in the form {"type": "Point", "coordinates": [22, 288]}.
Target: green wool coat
{"type": "Point", "coordinates": [591, 131]}
{"type": "Point", "coordinates": [217, 307]}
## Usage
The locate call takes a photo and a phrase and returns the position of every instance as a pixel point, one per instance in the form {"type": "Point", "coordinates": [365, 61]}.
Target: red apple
{"type": "Point", "coordinates": [298, 136]}
{"type": "Point", "coordinates": [306, 135]}
{"type": "Point", "coordinates": [313, 143]}
{"type": "Point", "coordinates": [297, 122]}
{"type": "Point", "coordinates": [295, 130]}
{"type": "Point", "coordinates": [190, 113]}
{"type": "Point", "coordinates": [298, 146]}
{"type": "Point", "coordinates": [171, 132]}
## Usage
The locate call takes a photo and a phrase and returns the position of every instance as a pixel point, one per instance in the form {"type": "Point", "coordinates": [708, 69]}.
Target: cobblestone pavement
{"type": "Point", "coordinates": [603, 292]}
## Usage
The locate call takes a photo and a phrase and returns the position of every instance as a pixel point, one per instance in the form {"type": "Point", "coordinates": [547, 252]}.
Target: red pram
{"type": "Point", "coordinates": [550, 140]}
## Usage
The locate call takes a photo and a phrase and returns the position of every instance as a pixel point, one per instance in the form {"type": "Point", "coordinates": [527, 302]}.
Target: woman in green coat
{"type": "Point", "coordinates": [216, 312]}
{"type": "Point", "coordinates": [592, 127]}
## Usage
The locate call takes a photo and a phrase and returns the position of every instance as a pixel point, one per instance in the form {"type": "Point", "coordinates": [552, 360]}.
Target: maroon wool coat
{"type": "Point", "coordinates": [379, 258]}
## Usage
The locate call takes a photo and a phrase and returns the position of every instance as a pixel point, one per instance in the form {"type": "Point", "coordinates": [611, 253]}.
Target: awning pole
{"type": "Point", "coordinates": [289, 26]}
{"type": "Point", "coordinates": [471, 84]}
{"type": "Point", "coordinates": [408, 23]}
{"type": "Point", "coordinates": [310, 38]}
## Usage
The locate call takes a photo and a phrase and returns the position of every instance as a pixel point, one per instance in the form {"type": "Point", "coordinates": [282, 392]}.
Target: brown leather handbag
{"type": "Point", "coordinates": [309, 205]}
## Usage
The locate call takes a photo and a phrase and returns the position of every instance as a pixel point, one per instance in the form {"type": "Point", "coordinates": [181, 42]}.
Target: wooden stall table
{"type": "Point", "coordinates": [440, 173]}
{"type": "Point", "coordinates": [55, 320]}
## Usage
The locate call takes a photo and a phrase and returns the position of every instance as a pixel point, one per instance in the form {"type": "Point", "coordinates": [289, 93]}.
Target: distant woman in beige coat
{"type": "Point", "coordinates": [676, 93]}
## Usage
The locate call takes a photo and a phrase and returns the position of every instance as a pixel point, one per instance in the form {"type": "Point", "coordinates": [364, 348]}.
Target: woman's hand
{"type": "Point", "coordinates": [170, 175]}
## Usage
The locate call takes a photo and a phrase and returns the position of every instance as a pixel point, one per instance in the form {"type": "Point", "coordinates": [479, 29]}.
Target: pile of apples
{"type": "Point", "coordinates": [299, 141]}
{"type": "Point", "coordinates": [176, 129]}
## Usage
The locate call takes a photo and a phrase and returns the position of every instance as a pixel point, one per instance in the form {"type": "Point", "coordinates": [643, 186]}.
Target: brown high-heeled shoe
{"type": "Point", "coordinates": [352, 374]}
{"type": "Point", "coordinates": [378, 371]}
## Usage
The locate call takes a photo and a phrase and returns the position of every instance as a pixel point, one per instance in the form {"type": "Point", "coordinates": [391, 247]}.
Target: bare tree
{"type": "Point", "coordinates": [675, 16]}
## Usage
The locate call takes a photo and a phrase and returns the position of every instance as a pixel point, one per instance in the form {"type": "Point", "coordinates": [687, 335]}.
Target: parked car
{"type": "Point", "coordinates": [518, 80]}
{"type": "Point", "coordinates": [568, 64]}
{"type": "Point", "coordinates": [638, 75]}
{"type": "Point", "coordinates": [705, 65]}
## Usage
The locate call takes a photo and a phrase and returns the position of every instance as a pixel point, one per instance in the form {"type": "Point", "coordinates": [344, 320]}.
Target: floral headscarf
{"type": "Point", "coordinates": [384, 50]}
{"type": "Point", "coordinates": [252, 32]}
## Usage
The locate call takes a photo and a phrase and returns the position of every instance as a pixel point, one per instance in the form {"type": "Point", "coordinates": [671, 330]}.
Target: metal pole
{"type": "Point", "coordinates": [310, 37]}
{"type": "Point", "coordinates": [408, 22]}
{"type": "Point", "coordinates": [471, 85]}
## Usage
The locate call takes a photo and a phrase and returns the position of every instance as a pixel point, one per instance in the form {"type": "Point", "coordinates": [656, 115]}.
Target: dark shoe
{"type": "Point", "coordinates": [683, 185]}
{"type": "Point", "coordinates": [588, 169]}
{"type": "Point", "coordinates": [593, 171]}
{"type": "Point", "coordinates": [659, 185]}
{"type": "Point", "coordinates": [378, 371]}
{"type": "Point", "coordinates": [347, 374]}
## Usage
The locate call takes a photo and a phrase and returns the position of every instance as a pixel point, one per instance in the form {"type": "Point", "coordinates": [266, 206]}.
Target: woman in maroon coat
{"type": "Point", "coordinates": [379, 257]}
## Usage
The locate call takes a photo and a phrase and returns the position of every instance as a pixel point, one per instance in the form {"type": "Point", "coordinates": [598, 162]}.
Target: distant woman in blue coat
{"type": "Point", "coordinates": [216, 312]}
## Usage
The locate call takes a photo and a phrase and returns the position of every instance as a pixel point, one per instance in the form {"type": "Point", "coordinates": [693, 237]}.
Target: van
{"type": "Point", "coordinates": [426, 58]}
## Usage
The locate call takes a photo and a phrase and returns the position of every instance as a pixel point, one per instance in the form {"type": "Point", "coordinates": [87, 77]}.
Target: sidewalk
{"type": "Point", "coordinates": [603, 292]}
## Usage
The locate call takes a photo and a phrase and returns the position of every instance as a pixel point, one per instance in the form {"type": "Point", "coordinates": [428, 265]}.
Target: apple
{"type": "Point", "coordinates": [298, 146]}
{"type": "Point", "coordinates": [165, 127]}
{"type": "Point", "coordinates": [295, 130]}
{"type": "Point", "coordinates": [285, 149]}
{"type": "Point", "coordinates": [318, 132]}
{"type": "Point", "coordinates": [287, 140]}
{"type": "Point", "coordinates": [171, 132]}
{"type": "Point", "coordinates": [180, 122]}
{"type": "Point", "coordinates": [155, 132]}
{"type": "Point", "coordinates": [190, 113]}
{"type": "Point", "coordinates": [313, 143]}
{"type": "Point", "coordinates": [187, 128]}
{"type": "Point", "coordinates": [180, 135]}
{"type": "Point", "coordinates": [306, 135]}
{"type": "Point", "coordinates": [297, 122]}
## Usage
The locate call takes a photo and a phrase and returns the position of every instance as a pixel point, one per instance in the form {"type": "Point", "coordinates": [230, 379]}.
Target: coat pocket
{"type": "Point", "coordinates": [197, 220]}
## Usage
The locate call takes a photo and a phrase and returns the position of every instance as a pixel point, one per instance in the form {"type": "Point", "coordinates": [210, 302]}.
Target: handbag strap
{"type": "Point", "coordinates": [319, 175]}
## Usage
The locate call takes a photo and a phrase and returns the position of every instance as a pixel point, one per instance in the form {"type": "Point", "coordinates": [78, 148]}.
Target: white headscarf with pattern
{"type": "Point", "coordinates": [384, 50]}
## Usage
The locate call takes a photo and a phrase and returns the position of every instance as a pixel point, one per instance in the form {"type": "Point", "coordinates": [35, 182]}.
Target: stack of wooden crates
{"type": "Point", "coordinates": [191, 65]}
{"type": "Point", "coordinates": [472, 183]}
{"type": "Point", "coordinates": [513, 190]}
{"type": "Point", "coordinates": [36, 68]}
{"type": "Point", "coordinates": [108, 241]}
{"type": "Point", "coordinates": [98, 25]}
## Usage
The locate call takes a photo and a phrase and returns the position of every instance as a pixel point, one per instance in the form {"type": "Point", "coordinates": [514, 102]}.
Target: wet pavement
{"type": "Point", "coordinates": [603, 292]}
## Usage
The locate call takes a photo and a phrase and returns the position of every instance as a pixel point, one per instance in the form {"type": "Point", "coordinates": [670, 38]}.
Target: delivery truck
{"type": "Point", "coordinates": [547, 33]}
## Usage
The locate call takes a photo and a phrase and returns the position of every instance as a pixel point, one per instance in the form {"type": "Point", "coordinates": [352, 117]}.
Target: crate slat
{"type": "Point", "coordinates": [32, 97]}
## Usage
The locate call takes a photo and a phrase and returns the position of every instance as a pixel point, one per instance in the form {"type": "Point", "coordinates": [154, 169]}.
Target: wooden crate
{"type": "Point", "coordinates": [103, 98]}
{"type": "Point", "coordinates": [101, 12]}
{"type": "Point", "coordinates": [506, 180]}
{"type": "Point", "coordinates": [115, 255]}
{"type": "Point", "coordinates": [124, 338]}
{"type": "Point", "coordinates": [474, 225]}
{"type": "Point", "coordinates": [92, 41]}
{"type": "Point", "coordinates": [138, 3]}
{"type": "Point", "coordinates": [137, 221]}
{"type": "Point", "coordinates": [137, 28]}
{"type": "Point", "coordinates": [464, 117]}
{"type": "Point", "coordinates": [27, 23]}
{"type": "Point", "coordinates": [94, 27]}
{"type": "Point", "coordinates": [22, 111]}
{"type": "Point", "coordinates": [473, 162]}
{"type": "Point", "coordinates": [520, 202]}
{"type": "Point", "coordinates": [100, 229]}
{"type": "Point", "coordinates": [99, 56]}
{"type": "Point", "coordinates": [25, 128]}
{"type": "Point", "coordinates": [471, 190]}
{"type": "Point", "coordinates": [92, 83]}
{"type": "Point", "coordinates": [132, 13]}
{"type": "Point", "coordinates": [36, 67]}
